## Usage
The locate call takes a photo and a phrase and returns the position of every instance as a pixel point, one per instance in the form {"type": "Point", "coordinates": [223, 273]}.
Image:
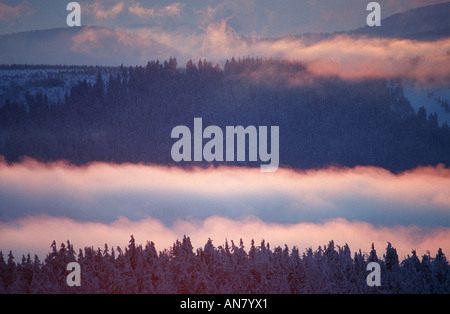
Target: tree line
{"type": "Point", "coordinates": [226, 269]}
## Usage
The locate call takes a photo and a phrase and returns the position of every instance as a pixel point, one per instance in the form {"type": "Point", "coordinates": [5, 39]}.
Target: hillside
{"type": "Point", "coordinates": [129, 116]}
{"type": "Point", "coordinates": [85, 45]}
{"type": "Point", "coordinates": [424, 23]}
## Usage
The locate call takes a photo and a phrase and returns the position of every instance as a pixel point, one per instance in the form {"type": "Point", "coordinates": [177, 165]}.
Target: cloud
{"type": "Point", "coordinates": [102, 40]}
{"type": "Point", "coordinates": [34, 234]}
{"type": "Point", "coordinates": [207, 15]}
{"type": "Point", "coordinates": [357, 58]}
{"type": "Point", "coordinates": [99, 12]}
{"type": "Point", "coordinates": [109, 45]}
{"type": "Point", "coordinates": [361, 58]}
{"type": "Point", "coordinates": [344, 56]}
{"type": "Point", "coordinates": [8, 12]}
{"type": "Point", "coordinates": [102, 192]}
{"type": "Point", "coordinates": [173, 9]}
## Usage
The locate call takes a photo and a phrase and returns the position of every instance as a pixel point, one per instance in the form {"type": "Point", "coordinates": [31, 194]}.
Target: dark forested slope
{"type": "Point", "coordinates": [128, 115]}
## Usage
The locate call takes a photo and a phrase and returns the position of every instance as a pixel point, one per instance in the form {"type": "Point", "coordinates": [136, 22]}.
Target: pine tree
{"type": "Point", "coordinates": [391, 280]}
{"type": "Point", "coordinates": [3, 274]}
{"type": "Point", "coordinates": [427, 281]}
{"type": "Point", "coordinates": [10, 272]}
{"type": "Point", "coordinates": [411, 274]}
{"type": "Point", "coordinates": [441, 273]}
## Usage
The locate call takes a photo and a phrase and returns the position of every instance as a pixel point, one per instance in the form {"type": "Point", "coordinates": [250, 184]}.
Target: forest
{"type": "Point", "coordinates": [225, 269]}
{"type": "Point", "coordinates": [126, 114]}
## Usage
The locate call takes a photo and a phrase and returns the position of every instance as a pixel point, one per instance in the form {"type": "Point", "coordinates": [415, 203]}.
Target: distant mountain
{"type": "Point", "coordinates": [91, 45]}
{"type": "Point", "coordinates": [86, 45]}
{"type": "Point", "coordinates": [425, 23]}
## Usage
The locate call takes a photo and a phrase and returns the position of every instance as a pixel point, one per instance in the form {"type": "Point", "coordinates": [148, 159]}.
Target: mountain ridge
{"type": "Point", "coordinates": [431, 20]}
{"type": "Point", "coordinates": [59, 46]}
{"type": "Point", "coordinates": [96, 45]}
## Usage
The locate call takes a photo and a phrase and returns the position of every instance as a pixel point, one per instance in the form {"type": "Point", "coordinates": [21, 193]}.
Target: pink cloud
{"type": "Point", "coordinates": [344, 56]}
{"type": "Point", "coordinates": [100, 12]}
{"type": "Point", "coordinates": [34, 234]}
{"type": "Point", "coordinates": [101, 40]}
{"type": "Point", "coordinates": [102, 191]}
{"type": "Point", "coordinates": [410, 187]}
{"type": "Point", "coordinates": [362, 58]}
{"type": "Point", "coordinates": [173, 9]}
{"type": "Point", "coordinates": [107, 43]}
{"type": "Point", "coordinates": [9, 12]}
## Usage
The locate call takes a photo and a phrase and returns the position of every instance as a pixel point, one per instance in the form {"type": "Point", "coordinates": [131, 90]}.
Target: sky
{"type": "Point", "coordinates": [260, 18]}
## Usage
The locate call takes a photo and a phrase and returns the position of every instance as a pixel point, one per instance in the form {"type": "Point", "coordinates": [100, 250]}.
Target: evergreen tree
{"type": "Point", "coordinates": [441, 273]}
{"type": "Point", "coordinates": [391, 281]}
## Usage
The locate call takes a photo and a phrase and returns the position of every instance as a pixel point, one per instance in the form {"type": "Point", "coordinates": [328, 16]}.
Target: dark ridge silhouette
{"type": "Point", "coordinates": [424, 23]}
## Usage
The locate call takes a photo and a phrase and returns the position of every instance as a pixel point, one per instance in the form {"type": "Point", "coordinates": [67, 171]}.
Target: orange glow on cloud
{"type": "Point", "coordinates": [344, 56]}
{"type": "Point", "coordinates": [105, 42]}
{"type": "Point", "coordinates": [34, 234]}
{"type": "Point", "coordinates": [99, 12]}
{"type": "Point", "coordinates": [426, 185]}
{"type": "Point", "coordinates": [172, 9]}
{"type": "Point", "coordinates": [9, 12]}
{"type": "Point", "coordinates": [348, 57]}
